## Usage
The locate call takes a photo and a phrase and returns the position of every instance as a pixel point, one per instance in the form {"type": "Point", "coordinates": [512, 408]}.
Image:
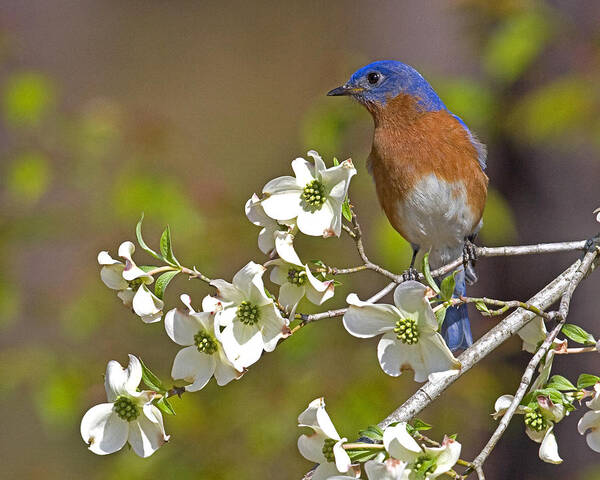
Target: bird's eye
{"type": "Point", "coordinates": [373, 78]}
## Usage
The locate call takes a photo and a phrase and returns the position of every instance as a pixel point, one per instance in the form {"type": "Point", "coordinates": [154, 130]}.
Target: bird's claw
{"type": "Point", "coordinates": [410, 274]}
{"type": "Point", "coordinates": [469, 253]}
{"type": "Point", "coordinates": [592, 244]}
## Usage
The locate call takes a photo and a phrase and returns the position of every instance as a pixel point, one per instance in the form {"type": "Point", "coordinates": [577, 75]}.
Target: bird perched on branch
{"type": "Point", "coordinates": [428, 171]}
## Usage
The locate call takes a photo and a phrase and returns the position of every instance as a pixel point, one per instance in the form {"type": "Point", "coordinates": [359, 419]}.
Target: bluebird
{"type": "Point", "coordinates": [428, 169]}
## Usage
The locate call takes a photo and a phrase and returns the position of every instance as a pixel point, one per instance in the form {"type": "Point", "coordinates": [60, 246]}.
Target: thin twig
{"type": "Point", "coordinates": [568, 351]}
{"type": "Point", "coordinates": [504, 304]}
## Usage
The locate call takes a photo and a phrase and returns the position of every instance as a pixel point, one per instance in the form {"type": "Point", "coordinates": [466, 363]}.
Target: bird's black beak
{"type": "Point", "coordinates": [343, 90]}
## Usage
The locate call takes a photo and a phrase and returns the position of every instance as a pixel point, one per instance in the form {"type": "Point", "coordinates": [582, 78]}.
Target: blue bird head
{"type": "Point", "coordinates": [376, 83]}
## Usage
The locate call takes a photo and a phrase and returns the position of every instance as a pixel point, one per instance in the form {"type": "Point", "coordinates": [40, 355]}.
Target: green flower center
{"type": "Point", "coordinates": [328, 449]}
{"type": "Point", "coordinates": [535, 421]}
{"type": "Point", "coordinates": [248, 313]}
{"type": "Point", "coordinates": [205, 342]}
{"type": "Point", "coordinates": [126, 409]}
{"type": "Point", "coordinates": [424, 465]}
{"type": "Point", "coordinates": [314, 194]}
{"type": "Point", "coordinates": [406, 331]}
{"type": "Point", "coordinates": [296, 276]}
{"type": "Point", "coordinates": [135, 283]}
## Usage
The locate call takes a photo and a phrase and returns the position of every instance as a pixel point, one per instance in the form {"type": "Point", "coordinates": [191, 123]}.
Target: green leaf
{"type": "Point", "coordinates": [586, 380]}
{"type": "Point", "coordinates": [151, 380]}
{"type": "Point", "coordinates": [319, 263]}
{"type": "Point", "coordinates": [419, 424]}
{"type": "Point", "coordinates": [362, 455]}
{"type": "Point", "coordinates": [560, 383]}
{"type": "Point", "coordinates": [578, 334]}
{"type": "Point", "coordinates": [165, 406]}
{"type": "Point", "coordinates": [373, 432]}
{"type": "Point", "coordinates": [140, 239]}
{"type": "Point", "coordinates": [147, 268]}
{"type": "Point", "coordinates": [427, 273]}
{"type": "Point", "coordinates": [441, 315]}
{"type": "Point", "coordinates": [482, 307]}
{"type": "Point", "coordinates": [166, 247]}
{"type": "Point", "coordinates": [346, 210]}
{"type": "Point", "coordinates": [162, 282]}
{"type": "Point", "coordinates": [552, 393]}
{"type": "Point", "coordinates": [447, 287]}
{"type": "Point", "coordinates": [336, 162]}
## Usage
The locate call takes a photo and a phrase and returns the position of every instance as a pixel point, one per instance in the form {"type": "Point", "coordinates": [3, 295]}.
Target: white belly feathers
{"type": "Point", "coordinates": [435, 214]}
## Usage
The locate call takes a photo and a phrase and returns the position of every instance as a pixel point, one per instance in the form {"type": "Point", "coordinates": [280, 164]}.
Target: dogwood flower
{"type": "Point", "coordinates": [129, 415]}
{"type": "Point", "coordinates": [314, 196]}
{"type": "Point", "coordinates": [410, 338]}
{"type": "Point", "coordinates": [423, 462]}
{"type": "Point", "coordinates": [203, 355]}
{"type": "Point", "coordinates": [534, 333]}
{"type": "Point", "coordinates": [295, 278]}
{"type": "Point", "coordinates": [541, 414]}
{"type": "Point", "coordinates": [266, 237]}
{"type": "Point", "coordinates": [540, 417]}
{"type": "Point", "coordinates": [591, 421]}
{"type": "Point", "coordinates": [252, 323]}
{"type": "Point", "coordinates": [387, 469]}
{"type": "Point", "coordinates": [324, 446]}
{"type": "Point", "coordinates": [131, 282]}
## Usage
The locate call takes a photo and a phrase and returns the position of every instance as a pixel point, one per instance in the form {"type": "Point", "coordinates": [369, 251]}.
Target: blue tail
{"type": "Point", "coordinates": [456, 328]}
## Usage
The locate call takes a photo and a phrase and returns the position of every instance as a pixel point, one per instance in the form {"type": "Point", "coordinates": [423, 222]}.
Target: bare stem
{"type": "Point", "coordinates": [570, 351]}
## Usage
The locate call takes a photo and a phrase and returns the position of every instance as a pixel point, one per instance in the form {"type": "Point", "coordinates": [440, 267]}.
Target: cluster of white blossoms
{"type": "Point", "coordinates": [240, 320]}
{"type": "Point", "coordinates": [398, 457]}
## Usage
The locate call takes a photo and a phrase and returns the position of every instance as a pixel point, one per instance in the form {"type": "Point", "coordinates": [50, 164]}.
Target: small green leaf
{"type": "Point", "coordinates": [586, 380]}
{"type": "Point", "coordinates": [447, 287]}
{"type": "Point", "coordinates": [419, 424]}
{"type": "Point", "coordinates": [482, 307]}
{"type": "Point", "coordinates": [147, 268]}
{"type": "Point", "coordinates": [166, 247]}
{"type": "Point", "coordinates": [151, 380]}
{"type": "Point", "coordinates": [336, 162]}
{"type": "Point", "coordinates": [346, 210]}
{"type": "Point", "coordinates": [161, 282]}
{"type": "Point", "coordinates": [373, 432]}
{"type": "Point", "coordinates": [319, 263]}
{"type": "Point", "coordinates": [578, 334]}
{"type": "Point", "coordinates": [140, 239]}
{"type": "Point", "coordinates": [165, 406]}
{"type": "Point", "coordinates": [560, 383]}
{"type": "Point", "coordinates": [453, 436]}
{"type": "Point", "coordinates": [427, 273]}
{"type": "Point", "coordinates": [441, 315]}
{"type": "Point", "coordinates": [362, 455]}
{"type": "Point", "coordinates": [552, 393]}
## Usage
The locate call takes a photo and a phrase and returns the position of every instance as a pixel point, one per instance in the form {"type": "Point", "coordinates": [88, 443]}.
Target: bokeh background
{"type": "Point", "coordinates": [182, 110]}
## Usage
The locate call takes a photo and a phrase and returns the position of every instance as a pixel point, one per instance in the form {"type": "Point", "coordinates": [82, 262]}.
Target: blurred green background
{"type": "Point", "coordinates": [183, 110]}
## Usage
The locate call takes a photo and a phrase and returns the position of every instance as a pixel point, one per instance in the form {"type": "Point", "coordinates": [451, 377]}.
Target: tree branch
{"type": "Point", "coordinates": [488, 342]}
{"type": "Point", "coordinates": [562, 313]}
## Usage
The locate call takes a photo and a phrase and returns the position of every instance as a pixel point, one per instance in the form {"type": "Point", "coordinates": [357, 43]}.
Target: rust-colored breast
{"type": "Point", "coordinates": [410, 144]}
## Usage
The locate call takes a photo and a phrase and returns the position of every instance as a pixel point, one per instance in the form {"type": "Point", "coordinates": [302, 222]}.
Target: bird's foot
{"type": "Point", "coordinates": [592, 244]}
{"type": "Point", "coordinates": [410, 274]}
{"type": "Point", "coordinates": [469, 253]}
